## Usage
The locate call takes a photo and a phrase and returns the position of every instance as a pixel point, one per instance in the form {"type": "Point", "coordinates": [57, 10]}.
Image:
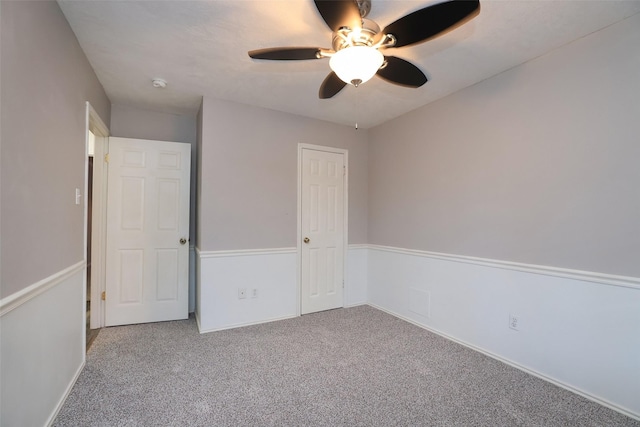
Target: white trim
{"type": "Point", "coordinates": [15, 300]}
{"type": "Point", "coordinates": [587, 276]}
{"type": "Point", "coordinates": [271, 273]}
{"type": "Point", "coordinates": [299, 233]}
{"type": "Point", "coordinates": [240, 325]}
{"type": "Point", "coordinates": [358, 246]}
{"type": "Point", "coordinates": [192, 279]}
{"type": "Point", "coordinates": [41, 343]}
{"type": "Point", "coordinates": [96, 124]}
{"type": "Point", "coordinates": [357, 304]}
{"type": "Point", "coordinates": [66, 393]}
{"type": "Point", "coordinates": [98, 213]}
{"type": "Point", "coordinates": [198, 320]}
{"type": "Point", "coordinates": [568, 387]}
{"type": "Point", "coordinates": [244, 252]}
{"type": "Point", "coordinates": [304, 146]}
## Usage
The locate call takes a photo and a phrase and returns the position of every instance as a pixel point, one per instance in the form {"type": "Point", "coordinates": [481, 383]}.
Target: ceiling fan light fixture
{"type": "Point", "coordinates": [356, 64]}
{"type": "Point", "coordinates": [356, 43]}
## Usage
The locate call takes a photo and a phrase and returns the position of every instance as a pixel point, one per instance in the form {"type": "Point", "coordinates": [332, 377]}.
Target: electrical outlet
{"type": "Point", "coordinates": [514, 322]}
{"type": "Point", "coordinates": [242, 293]}
{"type": "Point", "coordinates": [254, 293]}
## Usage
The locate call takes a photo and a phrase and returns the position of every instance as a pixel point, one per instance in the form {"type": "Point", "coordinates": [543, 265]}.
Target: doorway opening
{"type": "Point", "coordinates": [91, 334]}
{"type": "Point", "coordinates": [96, 147]}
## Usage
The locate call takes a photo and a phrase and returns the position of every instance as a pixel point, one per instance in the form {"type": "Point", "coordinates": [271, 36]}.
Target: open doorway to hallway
{"type": "Point", "coordinates": [96, 150]}
{"type": "Point", "coordinates": [91, 334]}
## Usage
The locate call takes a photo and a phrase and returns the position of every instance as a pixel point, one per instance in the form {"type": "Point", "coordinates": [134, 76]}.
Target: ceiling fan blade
{"type": "Point", "coordinates": [330, 86]}
{"type": "Point", "coordinates": [285, 53]}
{"type": "Point", "coordinates": [401, 72]}
{"type": "Point", "coordinates": [429, 22]}
{"type": "Point", "coordinates": [339, 13]}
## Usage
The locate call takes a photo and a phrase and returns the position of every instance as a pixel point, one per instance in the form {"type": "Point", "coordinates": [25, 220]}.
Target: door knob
{"type": "Point", "coordinates": [306, 240]}
{"type": "Point", "coordinates": [183, 240]}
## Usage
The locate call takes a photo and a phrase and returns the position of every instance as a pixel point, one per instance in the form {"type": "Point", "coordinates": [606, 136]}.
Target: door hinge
{"type": "Point", "coordinates": [106, 158]}
{"type": "Point", "coordinates": [344, 171]}
{"type": "Point", "coordinates": [103, 296]}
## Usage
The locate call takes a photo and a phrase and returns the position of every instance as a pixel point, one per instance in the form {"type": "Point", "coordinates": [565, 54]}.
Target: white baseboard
{"type": "Point", "coordinates": [577, 330]}
{"type": "Point", "coordinates": [537, 374]}
{"type": "Point", "coordinates": [63, 398]}
{"type": "Point", "coordinates": [241, 325]}
{"type": "Point", "coordinates": [42, 347]}
{"type": "Point", "coordinates": [198, 321]}
{"type": "Point", "coordinates": [356, 304]}
{"type": "Point", "coordinates": [273, 272]}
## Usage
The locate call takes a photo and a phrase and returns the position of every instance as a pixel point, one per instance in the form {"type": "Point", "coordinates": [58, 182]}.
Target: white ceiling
{"type": "Point", "coordinates": [200, 49]}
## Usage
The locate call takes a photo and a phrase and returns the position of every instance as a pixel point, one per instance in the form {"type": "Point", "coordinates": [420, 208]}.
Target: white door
{"type": "Point", "coordinates": [147, 255]}
{"type": "Point", "coordinates": [322, 229]}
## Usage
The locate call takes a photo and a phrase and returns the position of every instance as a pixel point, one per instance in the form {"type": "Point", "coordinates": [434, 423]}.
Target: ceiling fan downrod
{"type": "Point", "coordinates": [364, 6]}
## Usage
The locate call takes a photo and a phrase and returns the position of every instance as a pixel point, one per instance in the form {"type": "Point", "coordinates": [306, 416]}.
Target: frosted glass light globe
{"type": "Point", "coordinates": [356, 64]}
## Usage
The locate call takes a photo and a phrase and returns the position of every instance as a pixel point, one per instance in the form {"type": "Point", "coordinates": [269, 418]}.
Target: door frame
{"type": "Point", "coordinates": [304, 146]}
{"type": "Point", "coordinates": [98, 218]}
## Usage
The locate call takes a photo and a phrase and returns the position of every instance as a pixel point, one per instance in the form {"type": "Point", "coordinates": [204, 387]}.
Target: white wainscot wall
{"type": "Point", "coordinates": [577, 329]}
{"type": "Point", "coordinates": [273, 274]}
{"type": "Point", "coordinates": [192, 278]}
{"type": "Point", "coordinates": [42, 347]}
{"type": "Point", "coordinates": [356, 276]}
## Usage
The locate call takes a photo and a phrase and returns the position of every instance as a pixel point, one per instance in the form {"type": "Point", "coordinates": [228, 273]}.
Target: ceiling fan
{"type": "Point", "coordinates": [356, 58]}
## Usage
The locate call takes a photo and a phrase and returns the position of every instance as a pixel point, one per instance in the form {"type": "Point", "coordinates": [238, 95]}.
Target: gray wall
{"type": "Point", "coordinates": [46, 80]}
{"type": "Point", "coordinates": [248, 195]}
{"type": "Point", "coordinates": [129, 122]}
{"type": "Point", "coordinates": [539, 164]}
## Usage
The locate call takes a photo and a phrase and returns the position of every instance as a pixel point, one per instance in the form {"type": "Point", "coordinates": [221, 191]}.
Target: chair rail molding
{"type": "Point", "coordinates": [586, 276]}
{"type": "Point", "coordinates": [15, 300]}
